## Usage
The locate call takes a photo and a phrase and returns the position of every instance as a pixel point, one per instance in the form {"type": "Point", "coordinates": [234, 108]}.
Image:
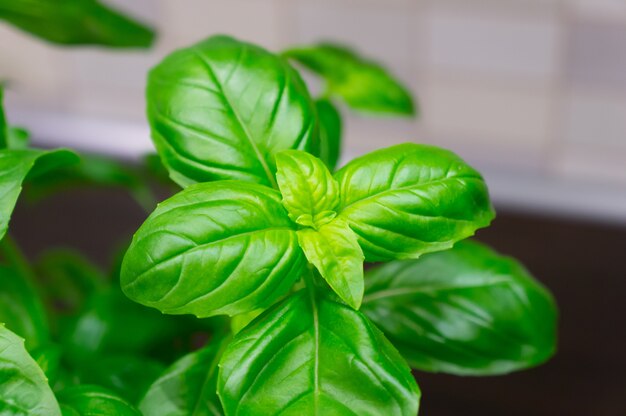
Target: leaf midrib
{"type": "Point", "coordinates": [244, 128]}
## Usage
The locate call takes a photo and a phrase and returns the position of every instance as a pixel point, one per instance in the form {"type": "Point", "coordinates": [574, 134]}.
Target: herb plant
{"type": "Point", "coordinates": [270, 247]}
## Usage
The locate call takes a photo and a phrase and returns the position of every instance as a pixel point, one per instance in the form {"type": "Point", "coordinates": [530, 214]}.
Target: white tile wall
{"type": "Point", "coordinates": [522, 47]}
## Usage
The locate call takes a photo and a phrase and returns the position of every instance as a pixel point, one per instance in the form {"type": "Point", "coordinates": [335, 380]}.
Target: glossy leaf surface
{"type": "Point", "coordinates": [89, 400]}
{"type": "Point", "coordinates": [24, 390]}
{"type": "Point", "coordinates": [75, 22]}
{"type": "Point", "coordinates": [411, 199]}
{"type": "Point", "coordinates": [309, 356]}
{"type": "Point", "coordinates": [309, 191]}
{"type": "Point", "coordinates": [21, 309]}
{"type": "Point", "coordinates": [335, 252]}
{"type": "Point", "coordinates": [188, 387]}
{"type": "Point", "coordinates": [15, 166]}
{"type": "Point", "coordinates": [363, 84]}
{"type": "Point", "coordinates": [466, 311]}
{"type": "Point", "coordinates": [220, 109]}
{"type": "Point", "coordinates": [215, 248]}
{"type": "Point", "coordinates": [330, 127]}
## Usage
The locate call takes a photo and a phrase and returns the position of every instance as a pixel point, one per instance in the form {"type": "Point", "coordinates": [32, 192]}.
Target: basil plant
{"type": "Point", "coordinates": [267, 232]}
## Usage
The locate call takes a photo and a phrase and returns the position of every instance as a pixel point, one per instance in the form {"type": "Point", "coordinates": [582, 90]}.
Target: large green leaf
{"type": "Point", "coordinates": [335, 252]}
{"type": "Point", "coordinates": [310, 194]}
{"type": "Point", "coordinates": [467, 310]}
{"type": "Point", "coordinates": [312, 356]}
{"type": "Point", "coordinates": [363, 84]}
{"type": "Point", "coordinates": [24, 389]}
{"type": "Point", "coordinates": [330, 133]}
{"type": "Point", "coordinates": [15, 166]}
{"type": "Point", "coordinates": [21, 309]}
{"type": "Point", "coordinates": [189, 386]}
{"type": "Point", "coordinates": [90, 400]}
{"type": "Point", "coordinates": [75, 22]}
{"type": "Point", "coordinates": [127, 375]}
{"type": "Point", "coordinates": [220, 109]}
{"type": "Point", "coordinates": [411, 199]}
{"type": "Point", "coordinates": [215, 248]}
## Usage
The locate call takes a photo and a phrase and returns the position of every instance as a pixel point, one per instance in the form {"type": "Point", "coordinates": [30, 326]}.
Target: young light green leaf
{"type": "Point", "coordinates": [336, 254]}
{"type": "Point", "coordinates": [129, 376]}
{"type": "Point", "coordinates": [220, 109]}
{"type": "Point", "coordinates": [93, 401]}
{"type": "Point", "coordinates": [309, 191]}
{"type": "Point", "coordinates": [411, 199]}
{"type": "Point", "coordinates": [330, 133]}
{"type": "Point", "coordinates": [15, 166]}
{"type": "Point", "coordinates": [24, 389]}
{"type": "Point", "coordinates": [189, 386]}
{"type": "Point", "coordinates": [10, 137]}
{"type": "Point", "coordinates": [363, 84]}
{"type": "Point", "coordinates": [76, 22]}
{"type": "Point", "coordinates": [226, 247]}
{"type": "Point", "coordinates": [467, 311]}
{"type": "Point", "coordinates": [22, 310]}
{"type": "Point", "coordinates": [311, 356]}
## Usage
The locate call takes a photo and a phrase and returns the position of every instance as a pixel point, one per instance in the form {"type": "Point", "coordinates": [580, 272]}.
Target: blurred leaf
{"type": "Point", "coordinates": [110, 322]}
{"type": "Point", "coordinates": [127, 375]}
{"type": "Point", "coordinates": [3, 122]}
{"type": "Point", "coordinates": [48, 357]}
{"type": "Point", "coordinates": [76, 22]}
{"type": "Point", "coordinates": [16, 166]}
{"type": "Point", "coordinates": [330, 133]}
{"type": "Point", "coordinates": [189, 386]}
{"type": "Point", "coordinates": [95, 171]}
{"type": "Point", "coordinates": [24, 390]}
{"type": "Point", "coordinates": [467, 311]}
{"type": "Point", "coordinates": [90, 400]}
{"type": "Point", "coordinates": [67, 278]}
{"type": "Point", "coordinates": [21, 309]}
{"type": "Point", "coordinates": [363, 84]}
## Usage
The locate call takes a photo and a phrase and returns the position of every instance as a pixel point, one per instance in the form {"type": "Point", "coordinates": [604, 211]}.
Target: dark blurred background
{"type": "Point", "coordinates": [531, 92]}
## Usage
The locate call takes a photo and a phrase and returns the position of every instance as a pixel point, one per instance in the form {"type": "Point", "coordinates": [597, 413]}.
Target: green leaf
{"type": "Point", "coordinates": [110, 323]}
{"type": "Point", "coordinates": [189, 386]}
{"type": "Point", "coordinates": [335, 252]}
{"type": "Point", "coordinates": [467, 311]}
{"type": "Point", "coordinates": [48, 358]}
{"type": "Point", "coordinates": [76, 22]}
{"type": "Point", "coordinates": [330, 133]}
{"type": "Point", "coordinates": [215, 248]}
{"type": "Point", "coordinates": [363, 84]}
{"type": "Point", "coordinates": [95, 171]}
{"type": "Point", "coordinates": [411, 199]}
{"type": "Point", "coordinates": [16, 166]}
{"type": "Point", "coordinates": [22, 310]}
{"type": "Point", "coordinates": [89, 400]}
{"type": "Point", "coordinates": [220, 109]}
{"type": "Point", "coordinates": [67, 279]}
{"type": "Point", "coordinates": [309, 191]}
{"type": "Point", "coordinates": [312, 356]}
{"type": "Point", "coordinates": [129, 376]}
{"type": "Point", "coordinates": [3, 122]}
{"type": "Point", "coordinates": [24, 389]}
